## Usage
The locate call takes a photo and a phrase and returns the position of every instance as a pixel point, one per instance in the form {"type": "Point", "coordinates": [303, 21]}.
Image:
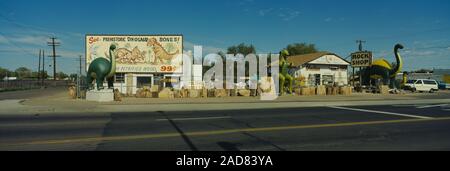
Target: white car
{"type": "Point", "coordinates": [422, 85]}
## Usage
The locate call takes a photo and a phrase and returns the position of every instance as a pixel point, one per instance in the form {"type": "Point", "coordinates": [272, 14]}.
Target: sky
{"type": "Point", "coordinates": [422, 26]}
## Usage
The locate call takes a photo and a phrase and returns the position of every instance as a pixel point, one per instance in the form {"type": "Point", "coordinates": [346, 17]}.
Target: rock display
{"type": "Point", "coordinates": [117, 95]}
{"type": "Point", "coordinates": [154, 88]}
{"type": "Point", "coordinates": [194, 93]}
{"type": "Point", "coordinates": [305, 91]}
{"type": "Point", "coordinates": [144, 93]}
{"type": "Point", "coordinates": [345, 90]}
{"type": "Point", "coordinates": [177, 94]}
{"type": "Point", "coordinates": [233, 92]}
{"type": "Point", "coordinates": [312, 91]}
{"type": "Point", "coordinates": [266, 84]}
{"type": "Point", "coordinates": [321, 90]}
{"type": "Point", "coordinates": [211, 93]}
{"type": "Point", "coordinates": [329, 90]}
{"type": "Point", "coordinates": [243, 92]}
{"type": "Point", "coordinates": [384, 89]}
{"type": "Point", "coordinates": [204, 93]}
{"type": "Point", "coordinates": [298, 91]}
{"type": "Point", "coordinates": [72, 92]}
{"type": "Point", "coordinates": [166, 93]}
{"type": "Point", "coordinates": [220, 93]}
{"type": "Point", "coordinates": [184, 93]}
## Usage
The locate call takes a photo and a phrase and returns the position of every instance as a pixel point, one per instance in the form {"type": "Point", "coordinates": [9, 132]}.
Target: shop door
{"type": "Point", "coordinates": [317, 79]}
{"type": "Point", "coordinates": [142, 82]}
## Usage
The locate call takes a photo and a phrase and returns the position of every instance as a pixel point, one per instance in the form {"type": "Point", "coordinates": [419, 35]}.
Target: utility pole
{"type": "Point", "coordinates": [81, 65]}
{"type": "Point", "coordinates": [53, 43]}
{"type": "Point", "coordinates": [360, 48]}
{"type": "Point", "coordinates": [79, 79]}
{"type": "Point", "coordinates": [43, 68]}
{"type": "Point", "coordinates": [39, 67]}
{"type": "Point", "coordinates": [360, 42]}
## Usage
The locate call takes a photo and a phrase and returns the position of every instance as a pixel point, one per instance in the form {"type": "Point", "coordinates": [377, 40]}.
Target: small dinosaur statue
{"type": "Point", "coordinates": [101, 69]}
{"type": "Point", "coordinates": [285, 77]}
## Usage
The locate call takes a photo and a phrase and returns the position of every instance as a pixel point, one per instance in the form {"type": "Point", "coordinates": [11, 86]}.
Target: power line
{"type": "Point", "coordinates": [444, 29]}
{"type": "Point", "coordinates": [16, 45]}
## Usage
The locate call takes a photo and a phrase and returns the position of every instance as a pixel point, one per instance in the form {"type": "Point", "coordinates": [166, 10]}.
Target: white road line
{"type": "Point", "coordinates": [381, 112]}
{"type": "Point", "coordinates": [430, 106]}
{"type": "Point", "coordinates": [192, 119]}
{"type": "Point", "coordinates": [404, 105]}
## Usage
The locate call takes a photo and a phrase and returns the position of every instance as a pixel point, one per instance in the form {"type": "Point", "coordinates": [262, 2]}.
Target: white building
{"type": "Point", "coordinates": [322, 68]}
{"type": "Point", "coordinates": [141, 61]}
{"type": "Point", "coordinates": [9, 78]}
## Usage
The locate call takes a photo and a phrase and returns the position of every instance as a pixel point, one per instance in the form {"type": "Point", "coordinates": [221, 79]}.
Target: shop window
{"type": "Point", "coordinates": [171, 82]}
{"type": "Point", "coordinates": [328, 80]}
{"type": "Point", "coordinates": [119, 78]}
{"type": "Point", "coordinates": [144, 82]}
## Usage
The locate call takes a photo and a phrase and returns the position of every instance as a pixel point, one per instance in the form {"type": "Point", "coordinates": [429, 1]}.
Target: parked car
{"type": "Point", "coordinates": [443, 85]}
{"type": "Point", "coordinates": [422, 85]}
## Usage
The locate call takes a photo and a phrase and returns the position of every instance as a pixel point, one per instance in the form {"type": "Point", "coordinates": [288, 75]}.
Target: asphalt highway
{"type": "Point", "coordinates": [389, 127]}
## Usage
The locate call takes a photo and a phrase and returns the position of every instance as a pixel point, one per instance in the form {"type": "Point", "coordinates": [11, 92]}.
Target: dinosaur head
{"type": "Point", "coordinates": [152, 42]}
{"type": "Point", "coordinates": [284, 53]}
{"type": "Point", "coordinates": [399, 46]}
{"type": "Point", "coordinates": [112, 47]}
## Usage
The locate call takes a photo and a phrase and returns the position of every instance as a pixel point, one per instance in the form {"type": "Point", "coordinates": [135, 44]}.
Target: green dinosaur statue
{"type": "Point", "coordinates": [382, 69]}
{"type": "Point", "coordinates": [101, 68]}
{"type": "Point", "coordinates": [285, 77]}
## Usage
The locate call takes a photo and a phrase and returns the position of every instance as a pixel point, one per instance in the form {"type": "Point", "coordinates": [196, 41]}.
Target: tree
{"type": "Point", "coordinates": [424, 71]}
{"type": "Point", "coordinates": [23, 72]}
{"type": "Point", "coordinates": [301, 49]}
{"type": "Point", "coordinates": [61, 75]}
{"type": "Point", "coordinates": [242, 49]}
{"type": "Point", "coordinates": [73, 77]}
{"type": "Point", "coordinates": [4, 72]}
{"type": "Point", "coordinates": [39, 75]}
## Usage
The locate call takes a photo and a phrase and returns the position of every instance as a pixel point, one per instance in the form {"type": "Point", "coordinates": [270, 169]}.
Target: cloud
{"type": "Point", "coordinates": [285, 14]}
{"type": "Point", "coordinates": [292, 14]}
{"type": "Point", "coordinates": [245, 2]}
{"type": "Point", "coordinates": [331, 19]}
{"type": "Point", "coordinates": [3, 40]}
{"type": "Point", "coordinates": [30, 40]}
{"type": "Point", "coordinates": [70, 53]}
{"type": "Point", "coordinates": [422, 53]}
{"type": "Point", "coordinates": [264, 12]}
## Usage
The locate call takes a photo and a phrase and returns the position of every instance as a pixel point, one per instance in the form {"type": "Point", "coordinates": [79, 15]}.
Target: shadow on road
{"type": "Point", "coordinates": [185, 138]}
{"type": "Point", "coordinates": [129, 124]}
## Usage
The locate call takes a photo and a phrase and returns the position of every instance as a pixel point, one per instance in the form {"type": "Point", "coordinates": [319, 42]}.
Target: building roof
{"type": "Point", "coordinates": [298, 60]}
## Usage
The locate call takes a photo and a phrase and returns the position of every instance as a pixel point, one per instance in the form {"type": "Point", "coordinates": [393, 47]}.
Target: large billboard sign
{"type": "Point", "coordinates": [138, 54]}
{"type": "Point", "coordinates": [362, 59]}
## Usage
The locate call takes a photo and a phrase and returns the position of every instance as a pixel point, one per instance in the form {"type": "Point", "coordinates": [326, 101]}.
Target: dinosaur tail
{"type": "Point", "coordinates": [176, 53]}
{"type": "Point", "coordinates": [399, 65]}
